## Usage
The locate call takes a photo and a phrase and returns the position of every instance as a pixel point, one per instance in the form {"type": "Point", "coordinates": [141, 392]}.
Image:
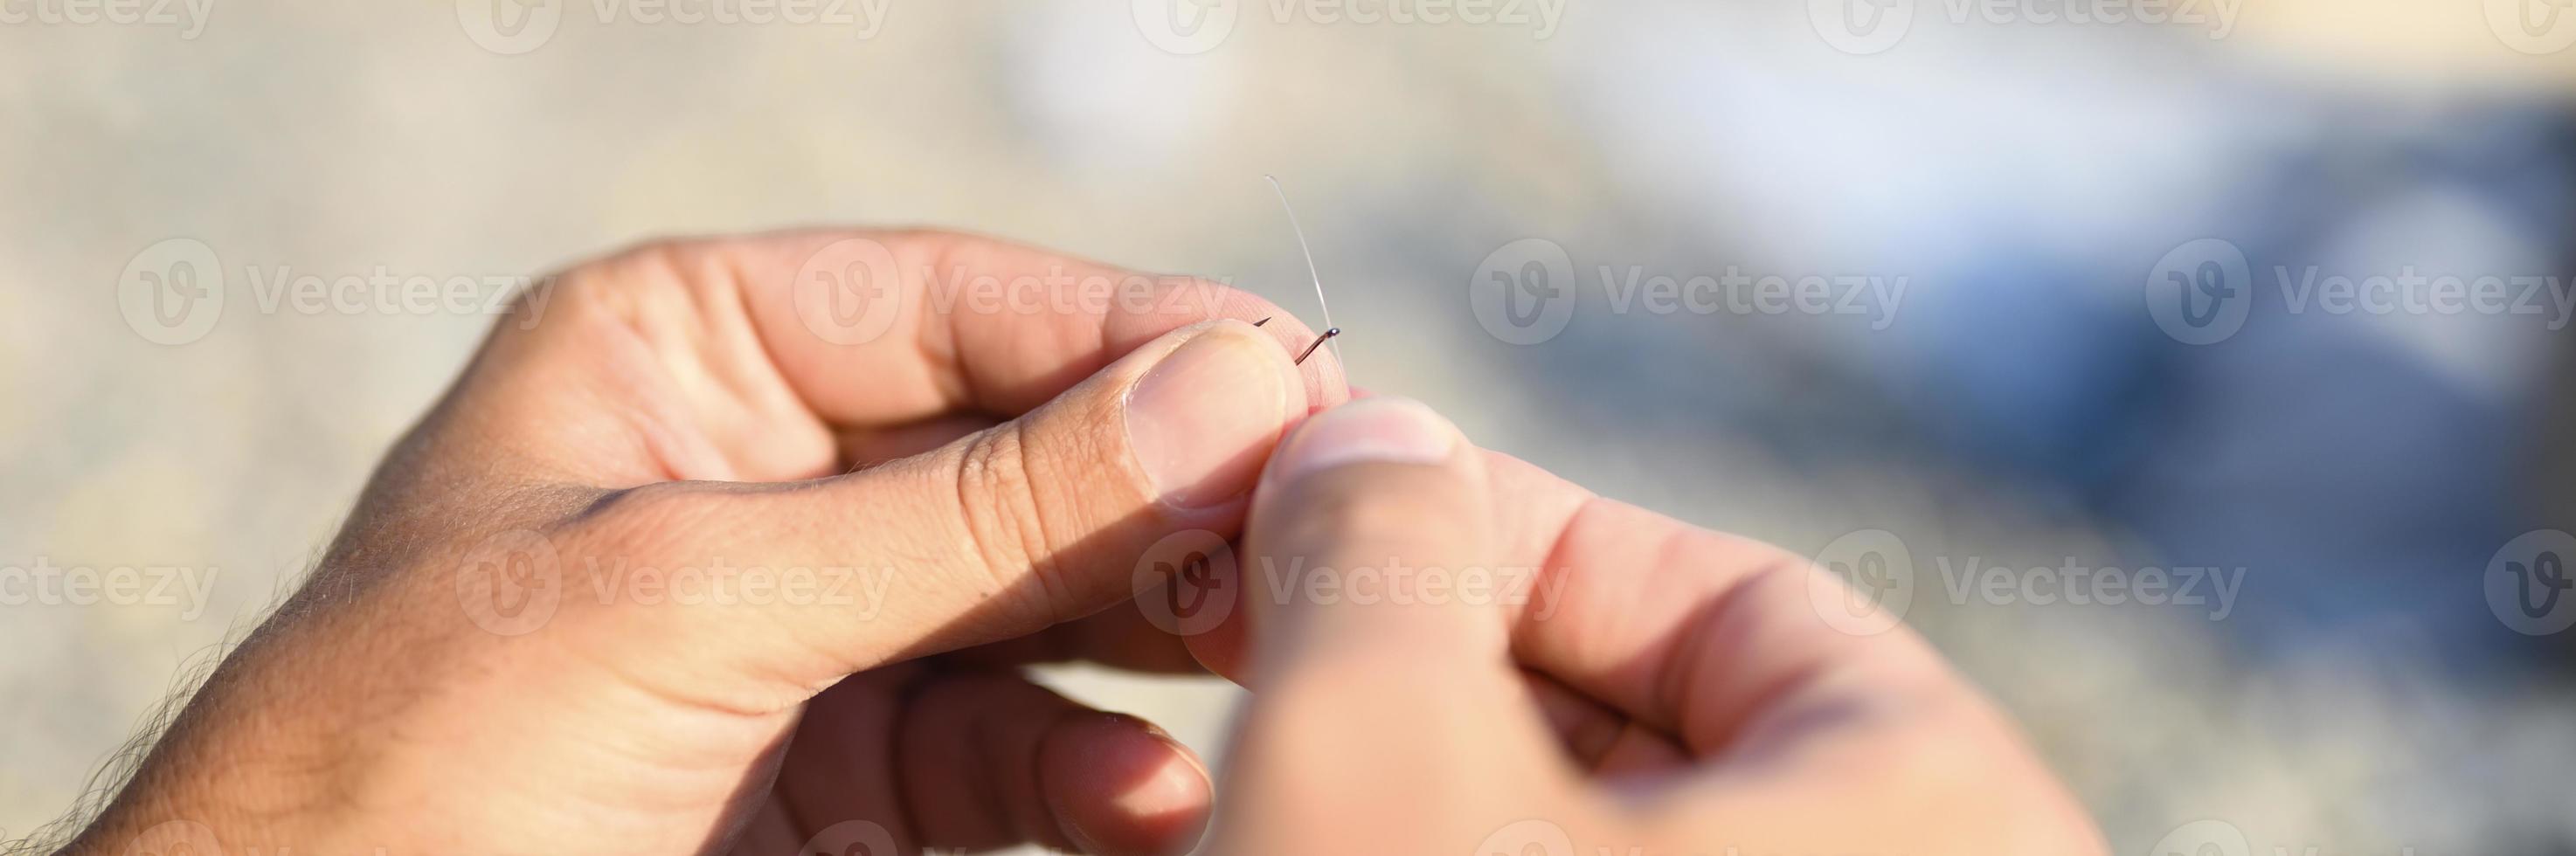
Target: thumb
{"type": "Point", "coordinates": [1004, 532]}
{"type": "Point", "coordinates": [1363, 523]}
{"type": "Point", "coordinates": [1379, 666]}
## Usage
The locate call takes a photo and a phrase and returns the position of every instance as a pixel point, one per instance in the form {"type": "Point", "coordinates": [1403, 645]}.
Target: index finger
{"type": "Point", "coordinates": [881, 328]}
{"type": "Point", "coordinates": [1801, 699]}
{"type": "Point", "coordinates": [1703, 635]}
{"type": "Point", "coordinates": [1714, 640]}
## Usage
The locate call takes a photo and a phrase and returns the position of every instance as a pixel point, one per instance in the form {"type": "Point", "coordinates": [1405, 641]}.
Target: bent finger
{"type": "Point", "coordinates": [1366, 696]}
{"type": "Point", "coordinates": [873, 328]}
{"type": "Point", "coordinates": [983, 759]}
{"type": "Point", "coordinates": [1002, 533]}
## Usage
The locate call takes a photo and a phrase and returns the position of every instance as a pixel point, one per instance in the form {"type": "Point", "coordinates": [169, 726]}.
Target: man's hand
{"type": "Point", "coordinates": [1655, 689]}
{"type": "Point", "coordinates": [638, 585]}
{"type": "Point", "coordinates": [737, 549]}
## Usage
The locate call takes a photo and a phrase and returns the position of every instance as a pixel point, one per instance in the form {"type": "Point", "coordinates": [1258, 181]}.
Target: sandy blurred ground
{"type": "Point", "coordinates": [340, 138]}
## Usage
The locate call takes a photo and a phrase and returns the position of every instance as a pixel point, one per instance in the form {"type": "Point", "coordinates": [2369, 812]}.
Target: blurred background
{"type": "Point", "coordinates": [2184, 368]}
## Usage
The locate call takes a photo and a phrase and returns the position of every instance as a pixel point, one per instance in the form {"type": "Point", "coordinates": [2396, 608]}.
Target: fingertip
{"type": "Point", "coordinates": [1119, 785]}
{"type": "Point", "coordinates": [1382, 429]}
{"type": "Point", "coordinates": [1220, 649]}
{"type": "Point", "coordinates": [1202, 418]}
{"type": "Point", "coordinates": [1327, 381]}
{"type": "Point", "coordinates": [1326, 384]}
{"type": "Point", "coordinates": [1365, 520]}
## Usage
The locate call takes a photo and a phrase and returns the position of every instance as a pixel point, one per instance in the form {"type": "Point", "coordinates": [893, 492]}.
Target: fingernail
{"type": "Point", "coordinates": [1370, 430]}
{"type": "Point", "coordinates": [1200, 422]}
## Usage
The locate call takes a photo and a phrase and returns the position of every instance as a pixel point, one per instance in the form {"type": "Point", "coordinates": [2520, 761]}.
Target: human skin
{"type": "Point", "coordinates": [483, 663]}
{"type": "Point", "coordinates": [1662, 689]}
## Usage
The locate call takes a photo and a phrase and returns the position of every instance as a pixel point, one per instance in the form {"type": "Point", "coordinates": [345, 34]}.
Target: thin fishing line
{"type": "Point", "coordinates": [1330, 331]}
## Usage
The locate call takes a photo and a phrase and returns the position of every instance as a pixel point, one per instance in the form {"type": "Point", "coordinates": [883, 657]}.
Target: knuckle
{"type": "Point", "coordinates": [1004, 525]}
{"type": "Point", "coordinates": [643, 279]}
{"type": "Point", "coordinates": [644, 519]}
